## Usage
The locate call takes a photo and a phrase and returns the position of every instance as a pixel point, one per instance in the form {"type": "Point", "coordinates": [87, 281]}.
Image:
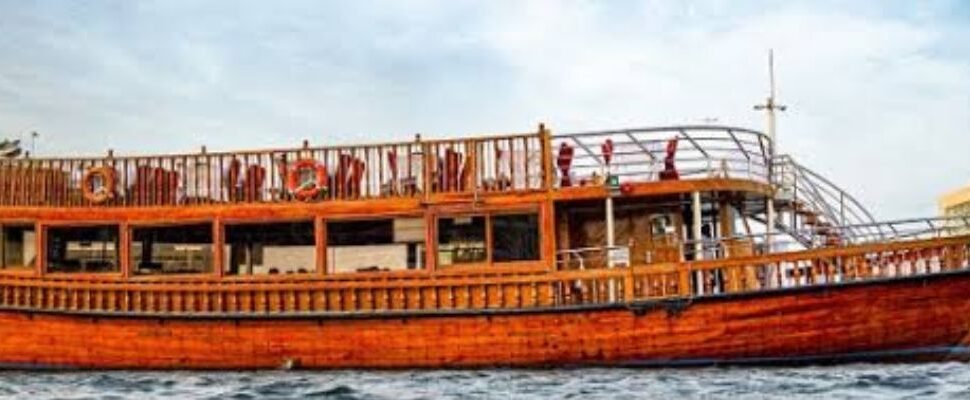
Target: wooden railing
{"type": "Point", "coordinates": [512, 291]}
{"type": "Point", "coordinates": [306, 297]}
{"type": "Point", "coordinates": [397, 170]}
{"type": "Point", "coordinates": [834, 265]}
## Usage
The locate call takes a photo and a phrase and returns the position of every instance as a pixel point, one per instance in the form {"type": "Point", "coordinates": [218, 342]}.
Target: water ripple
{"type": "Point", "coordinates": [860, 381]}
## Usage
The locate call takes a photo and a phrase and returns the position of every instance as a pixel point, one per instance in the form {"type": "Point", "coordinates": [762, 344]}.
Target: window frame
{"type": "Point", "coordinates": [489, 262]}
{"type": "Point", "coordinates": [539, 236]}
{"type": "Point", "coordinates": [130, 268]}
{"type": "Point", "coordinates": [437, 242]}
{"type": "Point", "coordinates": [222, 226]}
{"type": "Point", "coordinates": [44, 231]}
{"type": "Point", "coordinates": [325, 242]}
{"type": "Point", "coordinates": [38, 257]}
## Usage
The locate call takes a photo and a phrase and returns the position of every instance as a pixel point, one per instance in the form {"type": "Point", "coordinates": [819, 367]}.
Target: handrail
{"type": "Point", "coordinates": [595, 287]}
{"type": "Point", "coordinates": [404, 169]}
{"type": "Point", "coordinates": [640, 154]}
{"type": "Point", "coordinates": [807, 188]}
{"type": "Point", "coordinates": [845, 235]}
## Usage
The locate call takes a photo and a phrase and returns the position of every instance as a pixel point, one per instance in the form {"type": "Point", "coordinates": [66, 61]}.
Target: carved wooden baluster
{"type": "Point", "coordinates": [232, 301]}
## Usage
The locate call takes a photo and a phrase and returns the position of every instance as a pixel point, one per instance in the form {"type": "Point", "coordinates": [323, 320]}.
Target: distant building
{"type": "Point", "coordinates": [956, 204]}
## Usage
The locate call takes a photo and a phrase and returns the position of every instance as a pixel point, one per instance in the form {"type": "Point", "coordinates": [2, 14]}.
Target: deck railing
{"type": "Point", "coordinates": [518, 291]}
{"type": "Point", "coordinates": [813, 201]}
{"type": "Point", "coordinates": [665, 153]}
{"type": "Point", "coordinates": [828, 266]}
{"type": "Point", "coordinates": [405, 169]}
{"type": "Point", "coordinates": [397, 170]}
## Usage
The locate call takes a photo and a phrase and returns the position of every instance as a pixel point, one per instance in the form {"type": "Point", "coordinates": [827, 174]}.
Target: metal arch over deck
{"type": "Point", "coordinates": [714, 151]}
{"type": "Point", "coordinates": [805, 196]}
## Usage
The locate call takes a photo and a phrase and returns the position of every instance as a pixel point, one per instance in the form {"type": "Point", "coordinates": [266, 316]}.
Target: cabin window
{"type": "Point", "coordinates": [461, 240]}
{"type": "Point", "coordinates": [386, 244]}
{"type": "Point", "coordinates": [270, 249]}
{"type": "Point", "coordinates": [18, 247]}
{"type": "Point", "coordinates": [176, 249]}
{"type": "Point", "coordinates": [82, 249]}
{"type": "Point", "coordinates": [515, 237]}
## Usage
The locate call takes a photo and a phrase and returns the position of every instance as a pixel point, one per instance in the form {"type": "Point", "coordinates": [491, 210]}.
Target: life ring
{"type": "Point", "coordinates": [98, 194]}
{"type": "Point", "coordinates": [306, 190]}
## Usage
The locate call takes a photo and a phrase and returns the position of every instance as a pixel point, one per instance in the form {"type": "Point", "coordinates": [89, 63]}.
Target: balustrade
{"type": "Point", "coordinates": [498, 292]}
{"type": "Point", "coordinates": [307, 174]}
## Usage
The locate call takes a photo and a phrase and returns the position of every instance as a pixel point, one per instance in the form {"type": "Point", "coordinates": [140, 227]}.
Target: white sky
{"type": "Point", "coordinates": [879, 92]}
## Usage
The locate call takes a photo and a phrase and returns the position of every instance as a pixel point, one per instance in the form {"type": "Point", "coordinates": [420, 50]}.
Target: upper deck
{"type": "Point", "coordinates": [422, 171]}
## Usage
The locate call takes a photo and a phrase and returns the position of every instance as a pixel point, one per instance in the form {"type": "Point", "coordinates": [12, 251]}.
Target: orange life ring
{"type": "Point", "coordinates": [306, 190]}
{"type": "Point", "coordinates": [101, 193]}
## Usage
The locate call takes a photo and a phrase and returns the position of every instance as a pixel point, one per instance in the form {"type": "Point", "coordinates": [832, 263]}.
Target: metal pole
{"type": "Point", "coordinates": [698, 240]}
{"type": "Point", "coordinates": [770, 116]}
{"type": "Point", "coordinates": [610, 242]}
{"type": "Point", "coordinates": [696, 226]}
{"type": "Point", "coordinates": [769, 108]}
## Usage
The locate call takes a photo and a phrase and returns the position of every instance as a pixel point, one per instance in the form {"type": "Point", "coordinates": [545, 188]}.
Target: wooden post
{"type": "Point", "coordinates": [547, 233]}
{"type": "Point", "coordinates": [320, 234]}
{"type": "Point", "coordinates": [219, 246]}
{"type": "Point", "coordinates": [430, 240]}
{"type": "Point", "coordinates": [425, 167]}
{"type": "Point", "coordinates": [545, 136]}
{"type": "Point", "coordinates": [124, 249]}
{"type": "Point", "coordinates": [683, 284]}
{"type": "Point", "coordinates": [628, 283]}
{"type": "Point", "coordinates": [40, 241]}
{"type": "Point", "coordinates": [489, 237]}
{"type": "Point", "coordinates": [471, 161]}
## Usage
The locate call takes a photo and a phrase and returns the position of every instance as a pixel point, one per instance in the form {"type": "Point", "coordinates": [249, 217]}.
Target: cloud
{"type": "Point", "coordinates": [879, 91]}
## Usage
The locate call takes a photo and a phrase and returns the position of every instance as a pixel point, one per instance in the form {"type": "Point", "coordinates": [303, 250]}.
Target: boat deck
{"type": "Point", "coordinates": [497, 291]}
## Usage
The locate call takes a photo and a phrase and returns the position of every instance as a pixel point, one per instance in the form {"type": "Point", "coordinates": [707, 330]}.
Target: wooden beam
{"type": "Point", "coordinates": [218, 247]}
{"type": "Point", "coordinates": [124, 249]}
{"type": "Point", "coordinates": [40, 240]}
{"type": "Point", "coordinates": [547, 234]}
{"type": "Point", "coordinates": [545, 136]}
{"type": "Point", "coordinates": [430, 240]}
{"type": "Point", "coordinates": [320, 235]}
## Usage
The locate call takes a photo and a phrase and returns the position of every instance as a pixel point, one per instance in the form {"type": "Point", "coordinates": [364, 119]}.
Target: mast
{"type": "Point", "coordinates": [769, 108]}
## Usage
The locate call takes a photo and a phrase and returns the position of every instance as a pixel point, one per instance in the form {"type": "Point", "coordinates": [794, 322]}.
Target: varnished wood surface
{"type": "Point", "coordinates": [524, 285]}
{"type": "Point", "coordinates": [358, 208]}
{"type": "Point", "coordinates": [882, 297]}
{"type": "Point", "coordinates": [886, 317]}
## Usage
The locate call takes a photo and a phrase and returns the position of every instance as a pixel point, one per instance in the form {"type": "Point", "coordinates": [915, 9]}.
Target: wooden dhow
{"type": "Point", "coordinates": [661, 246]}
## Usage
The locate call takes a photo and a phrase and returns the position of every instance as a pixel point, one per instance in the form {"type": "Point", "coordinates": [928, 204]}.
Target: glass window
{"type": "Point", "coordinates": [515, 237]}
{"type": "Point", "coordinates": [18, 247]}
{"type": "Point", "coordinates": [461, 240]}
{"type": "Point", "coordinates": [375, 245]}
{"type": "Point", "coordinates": [270, 249]}
{"type": "Point", "coordinates": [177, 249]}
{"type": "Point", "coordinates": [82, 249]}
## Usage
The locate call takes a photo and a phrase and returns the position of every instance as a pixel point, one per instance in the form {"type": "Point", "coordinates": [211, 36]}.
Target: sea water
{"type": "Point", "coordinates": [857, 381]}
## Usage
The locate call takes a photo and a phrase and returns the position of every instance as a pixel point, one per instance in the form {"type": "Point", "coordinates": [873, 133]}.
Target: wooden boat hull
{"type": "Point", "coordinates": [914, 318]}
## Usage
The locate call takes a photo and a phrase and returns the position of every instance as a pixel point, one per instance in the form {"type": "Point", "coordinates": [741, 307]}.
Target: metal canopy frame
{"type": "Point", "coordinates": [708, 155]}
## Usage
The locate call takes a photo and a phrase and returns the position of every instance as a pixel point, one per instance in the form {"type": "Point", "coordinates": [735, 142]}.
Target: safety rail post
{"type": "Point", "coordinates": [545, 137]}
